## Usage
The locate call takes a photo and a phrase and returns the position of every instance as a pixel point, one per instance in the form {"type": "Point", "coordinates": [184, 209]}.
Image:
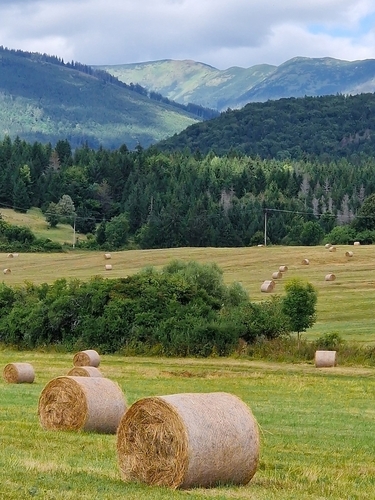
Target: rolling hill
{"type": "Point", "coordinates": [189, 81]}
{"type": "Point", "coordinates": [44, 99]}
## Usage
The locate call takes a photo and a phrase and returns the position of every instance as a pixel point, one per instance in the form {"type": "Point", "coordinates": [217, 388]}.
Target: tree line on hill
{"type": "Point", "coordinates": [159, 199]}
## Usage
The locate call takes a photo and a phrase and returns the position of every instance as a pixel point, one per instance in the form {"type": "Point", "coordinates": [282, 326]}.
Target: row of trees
{"type": "Point", "coordinates": [183, 310]}
{"type": "Point", "coordinates": [179, 199]}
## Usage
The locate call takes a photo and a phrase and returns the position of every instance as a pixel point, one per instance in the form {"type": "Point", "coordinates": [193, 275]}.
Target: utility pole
{"type": "Point", "coordinates": [74, 230]}
{"type": "Point", "coordinates": [265, 227]}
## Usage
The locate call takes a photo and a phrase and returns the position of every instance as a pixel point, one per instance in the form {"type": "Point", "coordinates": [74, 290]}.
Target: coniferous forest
{"type": "Point", "coordinates": [148, 198]}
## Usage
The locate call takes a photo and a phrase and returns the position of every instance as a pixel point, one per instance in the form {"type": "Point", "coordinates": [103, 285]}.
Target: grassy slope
{"type": "Point", "coordinates": [42, 101]}
{"type": "Point", "coordinates": [316, 430]}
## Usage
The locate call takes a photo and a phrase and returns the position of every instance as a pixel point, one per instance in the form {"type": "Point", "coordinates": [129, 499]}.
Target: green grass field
{"type": "Point", "coordinates": [316, 426]}
{"type": "Point", "coordinates": [345, 306]}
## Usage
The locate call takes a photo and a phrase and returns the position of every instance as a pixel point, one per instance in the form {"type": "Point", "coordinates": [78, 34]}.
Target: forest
{"type": "Point", "coordinates": [149, 198]}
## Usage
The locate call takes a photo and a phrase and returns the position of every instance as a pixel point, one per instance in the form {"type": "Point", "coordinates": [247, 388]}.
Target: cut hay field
{"type": "Point", "coordinates": [316, 427]}
{"type": "Point", "coordinates": [345, 306]}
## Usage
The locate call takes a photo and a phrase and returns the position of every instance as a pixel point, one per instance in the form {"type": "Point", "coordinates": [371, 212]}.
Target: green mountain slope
{"type": "Point", "coordinates": [189, 81]}
{"type": "Point", "coordinates": [325, 126]}
{"type": "Point", "coordinates": [47, 101]}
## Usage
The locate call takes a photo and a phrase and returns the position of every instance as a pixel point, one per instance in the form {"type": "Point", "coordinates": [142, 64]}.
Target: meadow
{"type": "Point", "coordinates": [345, 306]}
{"type": "Point", "coordinates": [316, 427]}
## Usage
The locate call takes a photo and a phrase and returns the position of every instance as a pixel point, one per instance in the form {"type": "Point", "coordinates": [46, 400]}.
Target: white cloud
{"type": "Point", "coordinates": [216, 32]}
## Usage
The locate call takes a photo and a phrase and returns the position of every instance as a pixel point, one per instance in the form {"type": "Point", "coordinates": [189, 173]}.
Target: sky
{"type": "Point", "coordinates": [221, 33]}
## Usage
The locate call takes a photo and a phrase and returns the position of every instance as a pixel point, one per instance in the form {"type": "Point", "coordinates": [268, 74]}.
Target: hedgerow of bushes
{"type": "Point", "coordinates": [185, 309]}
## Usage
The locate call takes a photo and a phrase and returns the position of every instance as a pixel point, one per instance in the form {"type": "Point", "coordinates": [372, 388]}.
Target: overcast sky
{"type": "Point", "coordinates": [222, 33]}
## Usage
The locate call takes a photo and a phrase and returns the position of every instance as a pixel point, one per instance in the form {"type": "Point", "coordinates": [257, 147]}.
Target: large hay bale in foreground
{"type": "Point", "coordinates": [325, 359]}
{"type": "Point", "coordinates": [267, 286]}
{"type": "Point", "coordinates": [81, 403]}
{"type": "Point", "coordinates": [19, 373]}
{"type": "Point", "coordinates": [188, 440]}
{"type": "Point", "coordinates": [85, 371]}
{"type": "Point", "coordinates": [87, 358]}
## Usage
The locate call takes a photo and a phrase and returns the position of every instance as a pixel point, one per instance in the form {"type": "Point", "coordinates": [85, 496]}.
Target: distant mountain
{"type": "Point", "coordinates": [44, 99]}
{"type": "Point", "coordinates": [189, 81]}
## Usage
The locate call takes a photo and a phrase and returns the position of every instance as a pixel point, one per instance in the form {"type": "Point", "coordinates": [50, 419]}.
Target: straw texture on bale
{"type": "Point", "coordinates": [330, 277]}
{"type": "Point", "coordinates": [188, 440]}
{"type": "Point", "coordinates": [108, 267]}
{"type": "Point", "coordinates": [19, 373]}
{"type": "Point", "coordinates": [305, 262]}
{"type": "Point", "coordinates": [357, 243]}
{"type": "Point", "coordinates": [107, 256]}
{"type": "Point", "coordinates": [283, 269]}
{"type": "Point", "coordinates": [85, 371]}
{"type": "Point", "coordinates": [267, 286]}
{"type": "Point", "coordinates": [81, 403]}
{"type": "Point", "coordinates": [277, 275]}
{"type": "Point", "coordinates": [325, 359]}
{"type": "Point", "coordinates": [349, 254]}
{"type": "Point", "coordinates": [332, 249]}
{"type": "Point", "coordinates": [7, 271]}
{"type": "Point", "coordinates": [86, 358]}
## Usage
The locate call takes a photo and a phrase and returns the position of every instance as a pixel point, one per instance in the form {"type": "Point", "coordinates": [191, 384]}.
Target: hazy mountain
{"type": "Point", "coordinates": [189, 81]}
{"type": "Point", "coordinates": [44, 99]}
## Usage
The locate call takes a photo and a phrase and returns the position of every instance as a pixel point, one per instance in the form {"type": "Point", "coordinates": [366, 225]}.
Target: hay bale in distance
{"type": "Point", "coordinates": [349, 254]}
{"type": "Point", "coordinates": [188, 440]}
{"type": "Point", "coordinates": [108, 267]}
{"type": "Point", "coordinates": [267, 286]}
{"type": "Point", "coordinates": [277, 275]}
{"type": "Point", "coordinates": [86, 358]}
{"type": "Point", "coordinates": [357, 243]}
{"type": "Point", "coordinates": [10, 255]}
{"type": "Point", "coordinates": [7, 271]}
{"type": "Point", "coordinates": [305, 262]}
{"type": "Point", "coordinates": [107, 256]}
{"type": "Point", "coordinates": [283, 269]}
{"type": "Point", "coordinates": [19, 373]}
{"type": "Point", "coordinates": [328, 245]}
{"type": "Point", "coordinates": [325, 359]}
{"type": "Point", "coordinates": [332, 249]}
{"type": "Point", "coordinates": [330, 277]}
{"type": "Point", "coordinates": [85, 371]}
{"type": "Point", "coordinates": [81, 403]}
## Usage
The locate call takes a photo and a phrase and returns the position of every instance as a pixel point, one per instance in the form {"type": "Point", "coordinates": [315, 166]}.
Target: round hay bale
{"type": "Point", "coordinates": [349, 254]}
{"type": "Point", "coordinates": [19, 373]}
{"type": "Point", "coordinates": [7, 271]}
{"type": "Point", "coordinates": [357, 243]}
{"type": "Point", "coordinates": [325, 359]}
{"type": "Point", "coordinates": [328, 245]}
{"type": "Point", "coordinates": [107, 256]}
{"type": "Point", "coordinates": [85, 371]}
{"type": "Point", "coordinates": [10, 255]}
{"type": "Point", "coordinates": [277, 275]}
{"type": "Point", "coordinates": [188, 440]}
{"type": "Point", "coordinates": [332, 249]}
{"type": "Point", "coordinates": [267, 286]}
{"type": "Point", "coordinates": [108, 267]}
{"type": "Point", "coordinates": [305, 262]}
{"type": "Point", "coordinates": [86, 358]}
{"type": "Point", "coordinates": [330, 277]}
{"type": "Point", "coordinates": [283, 269]}
{"type": "Point", "coordinates": [81, 403]}
{"type": "Point", "coordinates": [260, 245]}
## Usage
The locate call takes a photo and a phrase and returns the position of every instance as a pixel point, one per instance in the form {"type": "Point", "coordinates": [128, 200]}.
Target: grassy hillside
{"type": "Point", "coordinates": [45, 102]}
{"type": "Point", "coordinates": [190, 81]}
{"type": "Point", "coordinates": [345, 306]}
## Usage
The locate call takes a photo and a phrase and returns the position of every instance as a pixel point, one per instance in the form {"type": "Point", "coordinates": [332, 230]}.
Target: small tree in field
{"type": "Point", "coordinates": [299, 305]}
